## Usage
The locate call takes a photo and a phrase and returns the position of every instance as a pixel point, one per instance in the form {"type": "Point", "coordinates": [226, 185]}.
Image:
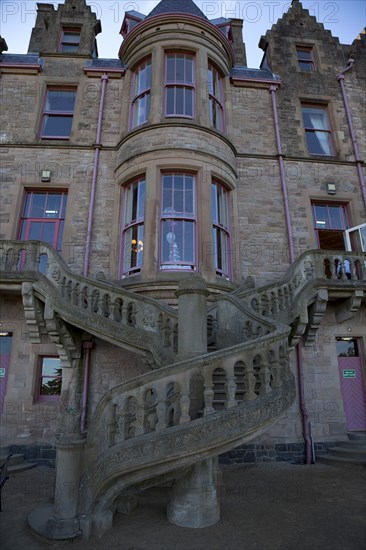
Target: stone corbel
{"type": "Point", "coordinates": [349, 307]}
{"type": "Point", "coordinates": [299, 327]}
{"type": "Point", "coordinates": [32, 312]}
{"type": "Point", "coordinates": [316, 314]}
{"type": "Point", "coordinates": [68, 348]}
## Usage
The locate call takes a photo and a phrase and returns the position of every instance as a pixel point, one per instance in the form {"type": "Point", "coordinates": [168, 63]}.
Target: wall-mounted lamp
{"type": "Point", "coordinates": [46, 175]}
{"type": "Point", "coordinates": [331, 188]}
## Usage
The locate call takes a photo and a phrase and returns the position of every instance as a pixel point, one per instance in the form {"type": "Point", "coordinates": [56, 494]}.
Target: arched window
{"type": "Point", "coordinates": [141, 85]}
{"type": "Point", "coordinates": [133, 228]}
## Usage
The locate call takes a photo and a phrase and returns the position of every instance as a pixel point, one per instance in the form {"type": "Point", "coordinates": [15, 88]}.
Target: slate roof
{"type": "Point", "coordinates": [177, 6]}
{"type": "Point", "coordinates": [136, 14]}
{"type": "Point", "coordinates": [245, 72]}
{"type": "Point", "coordinates": [21, 59]}
{"type": "Point", "coordinates": [104, 63]}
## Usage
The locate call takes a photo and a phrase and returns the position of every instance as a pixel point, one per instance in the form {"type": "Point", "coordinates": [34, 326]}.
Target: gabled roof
{"type": "Point", "coordinates": [177, 6]}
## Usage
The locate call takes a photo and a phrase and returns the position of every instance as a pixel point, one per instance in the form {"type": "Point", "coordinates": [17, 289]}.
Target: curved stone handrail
{"type": "Point", "coordinates": [314, 265]}
{"type": "Point", "coordinates": [92, 305]}
{"type": "Point", "coordinates": [170, 425]}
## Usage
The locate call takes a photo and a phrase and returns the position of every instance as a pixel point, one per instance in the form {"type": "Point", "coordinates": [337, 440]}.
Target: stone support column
{"type": "Point", "coordinates": [194, 501]}
{"type": "Point", "coordinates": [192, 316]}
{"type": "Point", "coordinates": [65, 523]}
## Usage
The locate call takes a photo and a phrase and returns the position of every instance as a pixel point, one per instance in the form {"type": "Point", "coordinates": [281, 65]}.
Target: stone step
{"type": "Point", "coordinates": [14, 459]}
{"type": "Point", "coordinates": [357, 436]}
{"type": "Point", "coordinates": [348, 452]}
{"type": "Point", "coordinates": [356, 443]}
{"type": "Point", "coordinates": [16, 468]}
{"type": "Point", "coordinates": [333, 460]}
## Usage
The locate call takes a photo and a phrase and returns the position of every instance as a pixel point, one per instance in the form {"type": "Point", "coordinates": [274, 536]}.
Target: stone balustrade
{"type": "Point", "coordinates": [332, 267]}
{"type": "Point", "coordinates": [34, 259]}
{"type": "Point", "coordinates": [190, 390]}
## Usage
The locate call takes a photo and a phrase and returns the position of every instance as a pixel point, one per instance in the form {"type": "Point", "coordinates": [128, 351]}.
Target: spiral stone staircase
{"type": "Point", "coordinates": [191, 406]}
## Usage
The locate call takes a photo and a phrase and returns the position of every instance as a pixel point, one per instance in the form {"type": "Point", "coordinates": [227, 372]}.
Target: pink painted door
{"type": "Point", "coordinates": [5, 349]}
{"type": "Point", "coordinates": [352, 384]}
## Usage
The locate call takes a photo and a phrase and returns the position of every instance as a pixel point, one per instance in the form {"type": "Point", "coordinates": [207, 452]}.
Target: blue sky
{"type": "Point", "coordinates": [345, 18]}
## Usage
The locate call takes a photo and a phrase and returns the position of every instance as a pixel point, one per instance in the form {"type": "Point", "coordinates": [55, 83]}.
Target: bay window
{"type": "Point", "coordinates": [220, 232]}
{"type": "Point", "coordinates": [216, 98]}
{"type": "Point", "coordinates": [178, 222]}
{"type": "Point", "coordinates": [133, 228]}
{"type": "Point", "coordinates": [141, 86]}
{"type": "Point", "coordinates": [179, 85]}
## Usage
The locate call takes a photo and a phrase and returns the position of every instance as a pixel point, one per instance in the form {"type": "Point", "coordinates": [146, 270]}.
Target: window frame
{"type": "Point", "coordinates": [59, 222]}
{"type": "Point", "coordinates": [165, 265]}
{"type": "Point", "coordinates": [185, 85]}
{"type": "Point", "coordinates": [328, 131]}
{"type": "Point", "coordinates": [215, 101]}
{"type": "Point", "coordinates": [345, 218]}
{"type": "Point", "coordinates": [137, 96]}
{"type": "Point", "coordinates": [38, 395]}
{"type": "Point", "coordinates": [308, 62]}
{"type": "Point", "coordinates": [56, 113]}
{"type": "Point", "coordinates": [131, 226]}
{"type": "Point", "coordinates": [70, 30]}
{"type": "Point", "coordinates": [221, 228]}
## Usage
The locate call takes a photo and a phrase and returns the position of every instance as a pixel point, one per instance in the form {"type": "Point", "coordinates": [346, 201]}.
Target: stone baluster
{"type": "Point", "coordinates": [275, 369]}
{"type": "Point", "coordinates": [140, 411]}
{"type": "Point", "coordinates": [332, 267]}
{"type": "Point", "coordinates": [353, 269]}
{"type": "Point", "coordinates": [31, 257]}
{"type": "Point", "coordinates": [161, 404]}
{"type": "Point", "coordinates": [230, 387]}
{"type": "Point", "coordinates": [265, 379]}
{"type": "Point", "coordinates": [249, 381]}
{"type": "Point", "coordinates": [184, 400]}
{"type": "Point", "coordinates": [208, 394]}
{"type": "Point", "coordinates": [124, 319]}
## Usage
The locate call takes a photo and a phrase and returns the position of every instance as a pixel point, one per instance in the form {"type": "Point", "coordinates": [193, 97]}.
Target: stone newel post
{"type": "Point", "coordinates": [194, 501]}
{"type": "Point", "coordinates": [192, 316]}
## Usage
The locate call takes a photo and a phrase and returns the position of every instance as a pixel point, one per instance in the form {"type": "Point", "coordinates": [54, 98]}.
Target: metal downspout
{"type": "Point", "coordinates": [300, 372]}
{"type": "Point", "coordinates": [341, 79]}
{"type": "Point", "coordinates": [98, 146]}
{"type": "Point", "coordinates": [272, 90]}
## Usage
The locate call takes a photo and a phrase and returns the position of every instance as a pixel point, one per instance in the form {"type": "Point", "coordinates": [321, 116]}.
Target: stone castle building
{"type": "Point", "coordinates": [183, 253]}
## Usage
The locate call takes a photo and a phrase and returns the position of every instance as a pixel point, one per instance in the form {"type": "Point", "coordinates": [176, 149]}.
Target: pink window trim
{"type": "Point", "coordinates": [180, 84]}
{"type": "Point", "coordinates": [179, 217]}
{"type": "Point", "coordinates": [124, 228]}
{"type": "Point", "coordinates": [226, 230]}
{"type": "Point", "coordinates": [67, 114]}
{"type": "Point", "coordinates": [38, 396]}
{"type": "Point", "coordinates": [346, 223]}
{"type": "Point", "coordinates": [71, 30]}
{"type": "Point", "coordinates": [135, 98]}
{"type": "Point", "coordinates": [216, 101]}
{"type": "Point", "coordinates": [28, 220]}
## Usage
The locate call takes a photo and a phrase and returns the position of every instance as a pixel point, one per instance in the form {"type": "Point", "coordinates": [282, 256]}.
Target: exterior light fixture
{"type": "Point", "coordinates": [331, 188]}
{"type": "Point", "coordinates": [46, 175]}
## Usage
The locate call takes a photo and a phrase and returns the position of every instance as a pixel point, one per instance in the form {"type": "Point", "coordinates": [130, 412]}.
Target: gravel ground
{"type": "Point", "coordinates": [263, 507]}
